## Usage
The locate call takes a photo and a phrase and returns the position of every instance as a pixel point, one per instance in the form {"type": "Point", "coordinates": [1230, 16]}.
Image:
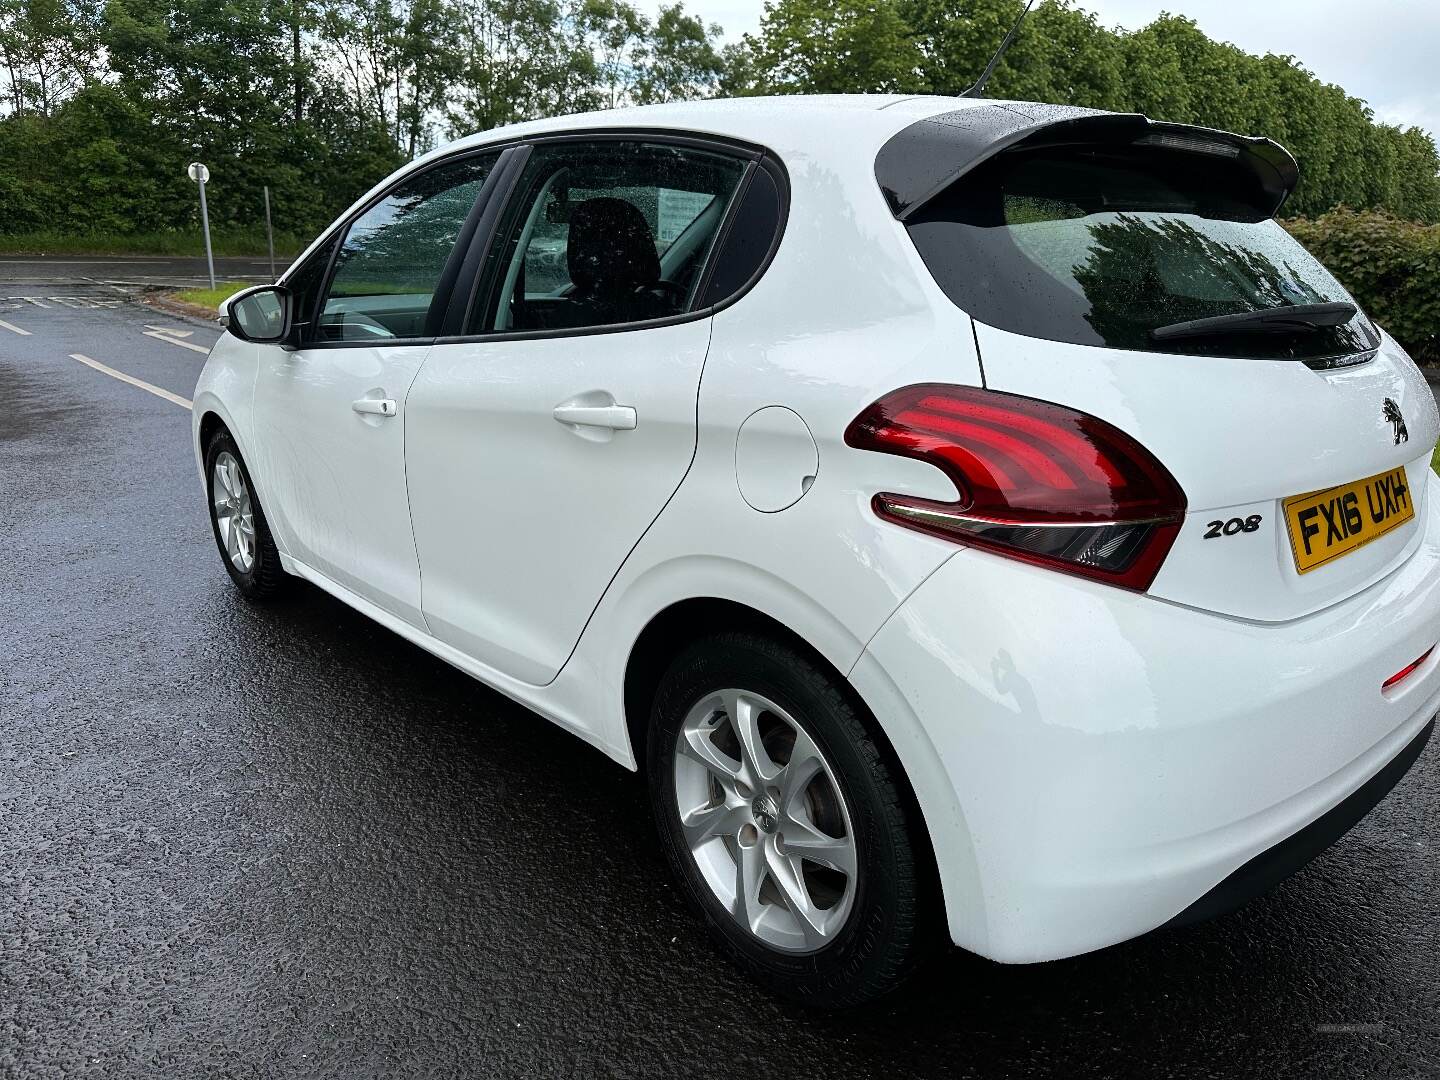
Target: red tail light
{"type": "Point", "coordinates": [1406, 671]}
{"type": "Point", "coordinates": [1037, 481]}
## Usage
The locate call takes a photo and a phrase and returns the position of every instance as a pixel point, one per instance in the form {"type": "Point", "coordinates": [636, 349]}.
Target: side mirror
{"type": "Point", "coordinates": [261, 314]}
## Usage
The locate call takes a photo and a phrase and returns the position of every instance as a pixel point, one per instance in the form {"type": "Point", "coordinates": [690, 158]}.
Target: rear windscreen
{"type": "Point", "coordinates": [1102, 246]}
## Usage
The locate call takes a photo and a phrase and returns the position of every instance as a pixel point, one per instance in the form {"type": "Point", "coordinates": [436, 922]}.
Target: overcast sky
{"type": "Point", "coordinates": [1384, 51]}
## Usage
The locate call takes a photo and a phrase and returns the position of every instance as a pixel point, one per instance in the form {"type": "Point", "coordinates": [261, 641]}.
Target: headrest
{"type": "Point", "coordinates": [610, 249]}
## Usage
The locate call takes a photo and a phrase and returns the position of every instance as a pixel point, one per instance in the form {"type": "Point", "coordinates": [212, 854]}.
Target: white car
{"type": "Point", "coordinates": [972, 516]}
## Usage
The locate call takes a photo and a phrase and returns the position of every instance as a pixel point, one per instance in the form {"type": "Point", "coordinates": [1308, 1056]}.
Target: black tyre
{"type": "Point", "coordinates": [787, 825]}
{"type": "Point", "coordinates": [238, 521]}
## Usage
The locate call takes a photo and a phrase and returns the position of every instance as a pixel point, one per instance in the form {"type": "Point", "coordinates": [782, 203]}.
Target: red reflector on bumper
{"type": "Point", "coordinates": [1406, 671]}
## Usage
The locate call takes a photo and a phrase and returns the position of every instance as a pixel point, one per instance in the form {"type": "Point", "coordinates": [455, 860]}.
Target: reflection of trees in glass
{"type": "Point", "coordinates": [401, 246]}
{"type": "Point", "coordinates": [1146, 272]}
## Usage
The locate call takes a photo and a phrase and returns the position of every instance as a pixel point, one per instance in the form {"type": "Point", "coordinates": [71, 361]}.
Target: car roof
{"type": "Point", "coordinates": [782, 123]}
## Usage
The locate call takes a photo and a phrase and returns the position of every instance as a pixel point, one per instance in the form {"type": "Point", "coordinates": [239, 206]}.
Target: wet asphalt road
{"type": "Point", "coordinates": [280, 841]}
{"type": "Point", "coordinates": [93, 271]}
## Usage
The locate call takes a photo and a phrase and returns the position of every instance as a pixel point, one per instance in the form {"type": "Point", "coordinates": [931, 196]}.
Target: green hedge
{"type": "Point", "coordinates": [1392, 267]}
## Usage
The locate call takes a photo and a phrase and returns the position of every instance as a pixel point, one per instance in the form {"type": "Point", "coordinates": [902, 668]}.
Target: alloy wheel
{"type": "Point", "coordinates": [765, 820]}
{"type": "Point", "coordinates": [234, 512]}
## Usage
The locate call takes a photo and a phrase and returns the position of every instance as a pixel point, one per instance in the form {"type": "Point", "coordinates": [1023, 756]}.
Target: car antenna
{"type": "Point", "coordinates": [979, 87]}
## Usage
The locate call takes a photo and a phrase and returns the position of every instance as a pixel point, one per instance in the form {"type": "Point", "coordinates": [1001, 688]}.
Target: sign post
{"type": "Point", "coordinates": [269, 233]}
{"type": "Point", "coordinates": [200, 174]}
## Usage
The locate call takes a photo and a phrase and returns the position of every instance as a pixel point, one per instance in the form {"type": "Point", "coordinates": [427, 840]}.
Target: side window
{"type": "Point", "coordinates": [605, 233]}
{"type": "Point", "coordinates": [753, 233]}
{"type": "Point", "coordinates": [393, 256]}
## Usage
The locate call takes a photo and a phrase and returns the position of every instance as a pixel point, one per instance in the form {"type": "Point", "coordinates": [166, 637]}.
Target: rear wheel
{"type": "Point", "coordinates": [780, 814]}
{"type": "Point", "coordinates": [241, 531]}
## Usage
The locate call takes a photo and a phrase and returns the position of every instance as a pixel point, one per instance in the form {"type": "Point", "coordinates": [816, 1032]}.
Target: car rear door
{"type": "Point", "coordinates": [543, 441]}
{"type": "Point", "coordinates": [330, 415]}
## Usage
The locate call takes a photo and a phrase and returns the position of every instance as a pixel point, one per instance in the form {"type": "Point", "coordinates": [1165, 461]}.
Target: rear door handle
{"type": "Point", "coordinates": [614, 417]}
{"type": "Point", "coordinates": [375, 406]}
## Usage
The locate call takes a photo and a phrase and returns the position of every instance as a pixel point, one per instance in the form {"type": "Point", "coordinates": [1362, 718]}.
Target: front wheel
{"type": "Point", "coordinates": [783, 818]}
{"type": "Point", "coordinates": [241, 531]}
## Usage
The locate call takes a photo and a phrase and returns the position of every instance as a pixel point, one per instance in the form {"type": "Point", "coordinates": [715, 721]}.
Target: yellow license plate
{"type": "Point", "coordinates": [1327, 524]}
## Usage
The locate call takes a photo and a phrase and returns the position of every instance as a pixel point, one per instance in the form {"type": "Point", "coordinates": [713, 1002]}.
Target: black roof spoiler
{"type": "Point", "coordinates": [924, 159]}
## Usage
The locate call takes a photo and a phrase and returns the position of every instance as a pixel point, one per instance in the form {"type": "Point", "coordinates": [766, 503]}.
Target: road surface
{"type": "Point", "coordinates": [54, 272]}
{"type": "Point", "coordinates": [281, 842]}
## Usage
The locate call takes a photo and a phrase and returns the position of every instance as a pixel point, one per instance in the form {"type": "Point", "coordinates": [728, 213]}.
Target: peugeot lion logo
{"type": "Point", "coordinates": [1392, 413]}
{"type": "Point", "coordinates": [766, 813]}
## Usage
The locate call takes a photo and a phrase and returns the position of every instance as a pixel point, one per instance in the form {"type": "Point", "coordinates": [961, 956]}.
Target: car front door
{"type": "Point", "coordinates": [331, 414]}
{"type": "Point", "coordinates": [541, 448]}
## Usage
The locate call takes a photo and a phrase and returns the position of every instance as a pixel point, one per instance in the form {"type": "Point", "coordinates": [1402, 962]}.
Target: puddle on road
{"type": "Point", "coordinates": [35, 405]}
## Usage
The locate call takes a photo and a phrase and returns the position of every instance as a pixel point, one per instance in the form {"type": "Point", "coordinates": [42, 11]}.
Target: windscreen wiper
{"type": "Point", "coordinates": [1287, 319]}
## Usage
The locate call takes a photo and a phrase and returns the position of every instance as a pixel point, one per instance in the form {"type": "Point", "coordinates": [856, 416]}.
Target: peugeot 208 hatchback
{"type": "Point", "coordinates": [966, 513]}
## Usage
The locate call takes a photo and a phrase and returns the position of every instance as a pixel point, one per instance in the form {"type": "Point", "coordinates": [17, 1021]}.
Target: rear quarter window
{"type": "Point", "coordinates": [751, 239]}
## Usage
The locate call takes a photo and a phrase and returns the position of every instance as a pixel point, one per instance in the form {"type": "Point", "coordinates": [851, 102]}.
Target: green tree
{"type": "Point", "coordinates": [616, 34]}
{"type": "Point", "coordinates": [1169, 70]}
{"type": "Point", "coordinates": [397, 60]}
{"type": "Point", "coordinates": [520, 59]}
{"type": "Point", "coordinates": [102, 102]}
{"type": "Point", "coordinates": [844, 46]}
{"type": "Point", "coordinates": [217, 83]}
{"type": "Point", "coordinates": [681, 60]}
{"type": "Point", "coordinates": [48, 49]}
{"type": "Point", "coordinates": [956, 38]}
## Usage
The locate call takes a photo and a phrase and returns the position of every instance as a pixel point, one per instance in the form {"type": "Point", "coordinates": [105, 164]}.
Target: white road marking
{"type": "Point", "coordinates": [171, 330]}
{"type": "Point", "coordinates": [83, 302]}
{"type": "Point", "coordinates": [14, 329]}
{"type": "Point", "coordinates": [141, 383]}
{"type": "Point", "coordinates": [164, 335]}
{"type": "Point", "coordinates": [106, 285]}
{"type": "Point", "coordinates": [66, 301]}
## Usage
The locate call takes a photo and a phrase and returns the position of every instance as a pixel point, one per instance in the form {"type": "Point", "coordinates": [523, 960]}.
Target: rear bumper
{"type": "Point", "coordinates": [1093, 764]}
{"type": "Point", "coordinates": [1271, 867]}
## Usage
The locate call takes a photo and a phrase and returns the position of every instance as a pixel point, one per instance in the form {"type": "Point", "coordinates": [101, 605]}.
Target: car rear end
{"type": "Point", "coordinates": [1188, 633]}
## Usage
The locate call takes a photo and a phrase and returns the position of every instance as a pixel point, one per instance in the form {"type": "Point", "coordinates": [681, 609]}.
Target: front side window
{"type": "Point", "coordinates": [393, 256]}
{"type": "Point", "coordinates": [1122, 248]}
{"type": "Point", "coordinates": [605, 233]}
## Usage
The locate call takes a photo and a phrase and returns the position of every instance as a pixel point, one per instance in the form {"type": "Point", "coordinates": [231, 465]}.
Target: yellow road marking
{"type": "Point", "coordinates": [141, 383]}
{"type": "Point", "coordinates": [14, 329]}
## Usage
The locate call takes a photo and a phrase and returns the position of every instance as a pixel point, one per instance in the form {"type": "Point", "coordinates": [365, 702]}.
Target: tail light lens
{"type": "Point", "coordinates": [1406, 671]}
{"type": "Point", "coordinates": [1037, 481]}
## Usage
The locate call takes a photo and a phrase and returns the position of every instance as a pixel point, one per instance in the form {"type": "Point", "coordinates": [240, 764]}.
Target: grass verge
{"type": "Point", "coordinates": [210, 298]}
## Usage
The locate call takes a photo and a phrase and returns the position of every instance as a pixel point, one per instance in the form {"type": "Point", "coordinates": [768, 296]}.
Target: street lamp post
{"type": "Point", "coordinates": [200, 174]}
{"type": "Point", "coordinates": [269, 233]}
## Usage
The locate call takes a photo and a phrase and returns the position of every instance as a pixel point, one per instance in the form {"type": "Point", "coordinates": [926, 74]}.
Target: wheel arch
{"type": "Point", "coordinates": [675, 627]}
{"type": "Point", "coordinates": [209, 423]}
{"type": "Point", "coordinates": [210, 416]}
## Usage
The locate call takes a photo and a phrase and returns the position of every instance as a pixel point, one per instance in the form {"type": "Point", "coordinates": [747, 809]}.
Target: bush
{"type": "Point", "coordinates": [1392, 267]}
